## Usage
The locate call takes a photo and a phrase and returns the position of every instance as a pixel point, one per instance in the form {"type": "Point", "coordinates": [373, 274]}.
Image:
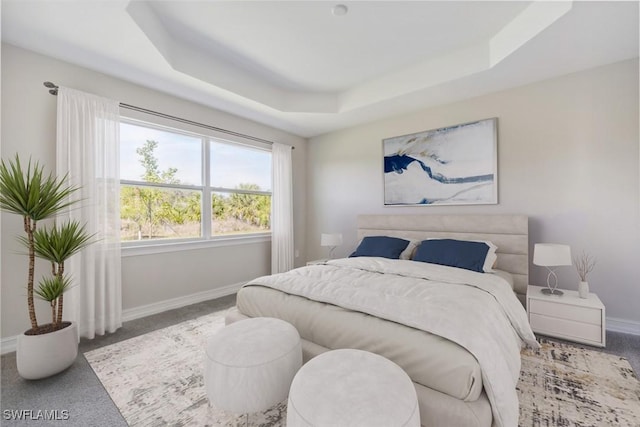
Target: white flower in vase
{"type": "Point", "coordinates": [584, 265]}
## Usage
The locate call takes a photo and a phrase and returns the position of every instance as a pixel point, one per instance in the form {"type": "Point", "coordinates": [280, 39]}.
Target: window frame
{"type": "Point", "coordinates": [206, 240]}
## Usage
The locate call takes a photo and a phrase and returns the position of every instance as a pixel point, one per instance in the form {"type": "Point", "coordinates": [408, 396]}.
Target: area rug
{"type": "Point", "coordinates": [567, 385]}
{"type": "Point", "coordinates": [156, 380]}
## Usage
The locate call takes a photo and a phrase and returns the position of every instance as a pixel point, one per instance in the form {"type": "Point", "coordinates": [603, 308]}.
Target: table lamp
{"type": "Point", "coordinates": [332, 241]}
{"type": "Point", "coordinates": [551, 255]}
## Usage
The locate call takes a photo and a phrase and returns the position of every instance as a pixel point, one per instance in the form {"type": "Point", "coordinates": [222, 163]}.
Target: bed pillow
{"type": "Point", "coordinates": [470, 255]}
{"type": "Point", "coordinates": [381, 246]}
{"type": "Point", "coordinates": [492, 258]}
{"type": "Point", "coordinates": [411, 247]}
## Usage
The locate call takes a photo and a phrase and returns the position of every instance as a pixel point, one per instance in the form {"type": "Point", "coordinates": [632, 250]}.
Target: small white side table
{"type": "Point", "coordinates": [317, 261]}
{"type": "Point", "coordinates": [568, 316]}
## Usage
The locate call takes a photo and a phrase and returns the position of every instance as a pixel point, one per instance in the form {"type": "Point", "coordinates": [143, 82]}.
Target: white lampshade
{"type": "Point", "coordinates": [551, 254]}
{"type": "Point", "coordinates": [334, 239]}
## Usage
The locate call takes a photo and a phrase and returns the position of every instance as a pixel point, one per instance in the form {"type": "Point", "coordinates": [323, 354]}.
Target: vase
{"type": "Point", "coordinates": [40, 356]}
{"type": "Point", "coordinates": [583, 289]}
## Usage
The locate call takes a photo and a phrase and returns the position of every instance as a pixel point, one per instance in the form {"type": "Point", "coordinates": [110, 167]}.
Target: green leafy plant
{"type": "Point", "coordinates": [57, 244]}
{"type": "Point", "coordinates": [51, 289]}
{"type": "Point", "coordinates": [36, 196]}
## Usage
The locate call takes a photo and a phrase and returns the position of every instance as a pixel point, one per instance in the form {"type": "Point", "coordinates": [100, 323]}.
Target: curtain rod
{"type": "Point", "coordinates": [53, 90]}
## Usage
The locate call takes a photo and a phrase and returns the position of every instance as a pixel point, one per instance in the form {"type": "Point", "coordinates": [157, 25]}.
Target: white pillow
{"type": "Point", "coordinates": [491, 258]}
{"type": "Point", "coordinates": [408, 252]}
{"type": "Point", "coordinates": [505, 275]}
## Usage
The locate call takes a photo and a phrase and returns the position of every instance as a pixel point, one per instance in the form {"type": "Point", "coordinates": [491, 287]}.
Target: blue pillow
{"type": "Point", "coordinates": [381, 246]}
{"type": "Point", "coordinates": [454, 253]}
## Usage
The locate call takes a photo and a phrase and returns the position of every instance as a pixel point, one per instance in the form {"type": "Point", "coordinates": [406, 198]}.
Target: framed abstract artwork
{"type": "Point", "coordinates": [454, 165]}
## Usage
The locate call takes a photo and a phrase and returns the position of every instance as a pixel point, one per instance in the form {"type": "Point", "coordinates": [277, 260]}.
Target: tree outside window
{"type": "Point", "coordinates": [162, 195]}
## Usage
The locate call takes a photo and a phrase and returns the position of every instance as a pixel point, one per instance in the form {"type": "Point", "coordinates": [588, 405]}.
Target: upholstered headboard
{"type": "Point", "coordinates": [510, 233]}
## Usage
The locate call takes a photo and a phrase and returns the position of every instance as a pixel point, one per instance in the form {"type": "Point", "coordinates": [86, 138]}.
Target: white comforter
{"type": "Point", "coordinates": [478, 311]}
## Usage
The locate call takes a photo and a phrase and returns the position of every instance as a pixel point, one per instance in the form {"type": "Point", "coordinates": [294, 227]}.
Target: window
{"type": "Point", "coordinates": [241, 188]}
{"type": "Point", "coordinates": [177, 186]}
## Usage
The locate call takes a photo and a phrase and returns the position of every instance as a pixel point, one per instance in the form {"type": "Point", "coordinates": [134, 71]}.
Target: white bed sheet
{"type": "Point", "coordinates": [428, 359]}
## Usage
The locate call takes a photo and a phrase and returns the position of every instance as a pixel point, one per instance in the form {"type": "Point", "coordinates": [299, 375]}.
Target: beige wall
{"type": "Point", "coordinates": [567, 157]}
{"type": "Point", "coordinates": [29, 128]}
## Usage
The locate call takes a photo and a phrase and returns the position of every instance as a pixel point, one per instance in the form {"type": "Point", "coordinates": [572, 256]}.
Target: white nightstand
{"type": "Point", "coordinates": [568, 316]}
{"type": "Point", "coordinates": [317, 261]}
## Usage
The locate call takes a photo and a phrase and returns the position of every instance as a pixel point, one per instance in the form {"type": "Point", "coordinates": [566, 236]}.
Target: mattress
{"type": "Point", "coordinates": [428, 359]}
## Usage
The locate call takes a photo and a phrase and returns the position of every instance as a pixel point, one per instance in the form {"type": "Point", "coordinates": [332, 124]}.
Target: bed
{"type": "Point", "coordinates": [456, 332]}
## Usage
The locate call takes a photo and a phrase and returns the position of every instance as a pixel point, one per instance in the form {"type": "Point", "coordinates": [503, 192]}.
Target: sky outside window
{"type": "Point", "coordinates": [232, 165]}
{"type": "Point", "coordinates": [174, 150]}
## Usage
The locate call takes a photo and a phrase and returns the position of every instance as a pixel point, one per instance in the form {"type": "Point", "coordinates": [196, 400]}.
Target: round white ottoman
{"type": "Point", "coordinates": [352, 388]}
{"type": "Point", "coordinates": [250, 364]}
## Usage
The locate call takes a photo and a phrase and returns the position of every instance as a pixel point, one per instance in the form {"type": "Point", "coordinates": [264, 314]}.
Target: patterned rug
{"type": "Point", "coordinates": [566, 385]}
{"type": "Point", "coordinates": [156, 380]}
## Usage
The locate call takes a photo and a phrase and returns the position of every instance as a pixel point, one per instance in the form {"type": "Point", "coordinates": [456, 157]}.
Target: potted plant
{"type": "Point", "coordinates": [47, 349]}
{"type": "Point", "coordinates": [584, 265]}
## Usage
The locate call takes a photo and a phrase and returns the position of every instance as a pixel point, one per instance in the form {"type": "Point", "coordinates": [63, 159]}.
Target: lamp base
{"type": "Point", "coordinates": [548, 291]}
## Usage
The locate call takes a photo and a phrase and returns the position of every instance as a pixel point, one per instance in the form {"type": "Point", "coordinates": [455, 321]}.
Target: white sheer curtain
{"type": "Point", "coordinates": [88, 149]}
{"type": "Point", "coordinates": [281, 209]}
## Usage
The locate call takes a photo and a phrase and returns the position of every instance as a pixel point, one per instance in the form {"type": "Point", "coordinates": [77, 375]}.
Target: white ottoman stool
{"type": "Point", "coordinates": [352, 388]}
{"type": "Point", "coordinates": [250, 364]}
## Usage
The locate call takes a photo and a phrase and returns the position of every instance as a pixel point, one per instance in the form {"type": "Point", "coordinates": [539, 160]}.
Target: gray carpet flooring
{"type": "Point", "coordinates": [79, 392]}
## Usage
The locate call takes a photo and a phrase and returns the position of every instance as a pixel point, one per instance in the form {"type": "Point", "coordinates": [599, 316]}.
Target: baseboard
{"type": "Point", "coordinates": [8, 344]}
{"type": "Point", "coordinates": [162, 306]}
{"type": "Point", "coordinates": [622, 325]}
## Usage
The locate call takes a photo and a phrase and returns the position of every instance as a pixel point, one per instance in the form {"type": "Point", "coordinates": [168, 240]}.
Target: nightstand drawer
{"type": "Point", "coordinates": [566, 311]}
{"type": "Point", "coordinates": [566, 328]}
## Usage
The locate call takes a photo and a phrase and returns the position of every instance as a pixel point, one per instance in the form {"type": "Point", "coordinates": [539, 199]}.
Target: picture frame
{"type": "Point", "coordinates": [453, 165]}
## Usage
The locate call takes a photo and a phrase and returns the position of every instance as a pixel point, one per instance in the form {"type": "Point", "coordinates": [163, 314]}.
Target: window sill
{"type": "Point", "coordinates": [131, 249]}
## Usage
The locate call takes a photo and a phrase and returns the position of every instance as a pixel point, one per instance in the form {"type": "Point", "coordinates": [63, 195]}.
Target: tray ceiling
{"type": "Point", "coordinates": [297, 66]}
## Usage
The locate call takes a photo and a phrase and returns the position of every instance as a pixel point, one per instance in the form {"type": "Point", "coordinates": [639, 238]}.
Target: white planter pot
{"type": "Point", "coordinates": [583, 290]}
{"type": "Point", "coordinates": [40, 356]}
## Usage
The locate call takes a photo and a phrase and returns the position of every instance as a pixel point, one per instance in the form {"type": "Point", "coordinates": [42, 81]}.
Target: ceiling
{"type": "Point", "coordinates": [299, 67]}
